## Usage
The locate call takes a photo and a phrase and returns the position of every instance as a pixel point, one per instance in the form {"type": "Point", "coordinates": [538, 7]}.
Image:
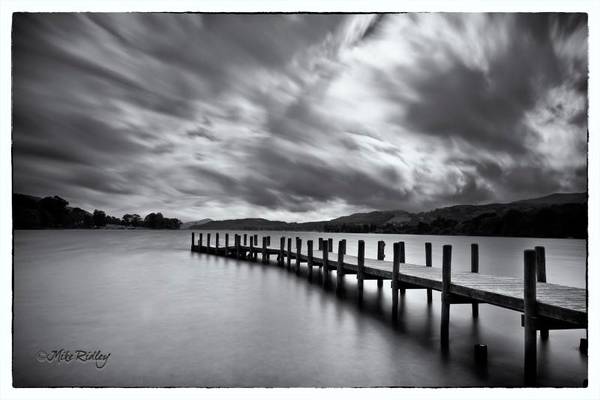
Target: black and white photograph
{"type": "Point", "coordinates": [296, 198]}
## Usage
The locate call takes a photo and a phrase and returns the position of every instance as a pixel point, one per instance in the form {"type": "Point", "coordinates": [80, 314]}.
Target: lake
{"type": "Point", "coordinates": [170, 317]}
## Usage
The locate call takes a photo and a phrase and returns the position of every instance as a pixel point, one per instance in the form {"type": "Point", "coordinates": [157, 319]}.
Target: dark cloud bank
{"type": "Point", "coordinates": [298, 117]}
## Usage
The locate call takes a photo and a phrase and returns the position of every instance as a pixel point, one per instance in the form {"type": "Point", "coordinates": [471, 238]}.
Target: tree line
{"type": "Point", "coordinates": [53, 212]}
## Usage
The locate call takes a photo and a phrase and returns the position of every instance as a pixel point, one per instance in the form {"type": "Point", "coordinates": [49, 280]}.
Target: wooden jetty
{"type": "Point", "coordinates": [544, 306]}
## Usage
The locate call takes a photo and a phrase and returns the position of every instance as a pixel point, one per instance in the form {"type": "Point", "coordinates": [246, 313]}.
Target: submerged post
{"type": "Point", "coordinates": [446, 279]}
{"type": "Point", "coordinates": [395, 275]}
{"type": "Point", "coordinates": [340, 266]}
{"type": "Point", "coordinates": [540, 260]}
{"type": "Point", "coordinates": [289, 253]}
{"type": "Point", "coordinates": [380, 256]}
{"type": "Point", "coordinates": [360, 273]}
{"type": "Point", "coordinates": [309, 257]}
{"type": "Point", "coordinates": [475, 270]}
{"type": "Point", "coordinates": [428, 263]}
{"type": "Point", "coordinates": [530, 305]}
{"type": "Point", "coordinates": [281, 258]}
{"type": "Point", "coordinates": [298, 249]}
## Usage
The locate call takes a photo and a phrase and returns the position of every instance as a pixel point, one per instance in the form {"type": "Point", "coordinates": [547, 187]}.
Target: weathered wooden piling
{"type": "Point", "coordinates": [298, 252]}
{"type": "Point", "coordinates": [325, 261]}
{"type": "Point", "coordinates": [281, 258]}
{"type": "Point", "coordinates": [475, 269]}
{"type": "Point", "coordinates": [428, 263]}
{"type": "Point", "coordinates": [330, 244]}
{"type": "Point", "coordinates": [289, 253]}
{"type": "Point", "coordinates": [401, 260]}
{"type": "Point", "coordinates": [395, 276]}
{"type": "Point", "coordinates": [200, 240]}
{"type": "Point", "coordinates": [193, 238]}
{"type": "Point", "coordinates": [226, 242]}
{"type": "Point", "coordinates": [309, 257]}
{"type": "Point", "coordinates": [256, 240]}
{"type": "Point", "coordinates": [540, 260]}
{"type": "Point", "coordinates": [252, 251]}
{"type": "Point", "coordinates": [264, 250]}
{"type": "Point", "coordinates": [481, 353]}
{"type": "Point", "coordinates": [208, 242]}
{"type": "Point", "coordinates": [446, 279]}
{"type": "Point", "coordinates": [237, 247]}
{"type": "Point", "coordinates": [340, 266]}
{"type": "Point", "coordinates": [320, 244]}
{"type": "Point", "coordinates": [245, 238]}
{"type": "Point", "coordinates": [360, 269]}
{"type": "Point", "coordinates": [380, 256]}
{"type": "Point", "coordinates": [217, 243]}
{"type": "Point", "coordinates": [530, 308]}
{"type": "Point", "coordinates": [268, 241]}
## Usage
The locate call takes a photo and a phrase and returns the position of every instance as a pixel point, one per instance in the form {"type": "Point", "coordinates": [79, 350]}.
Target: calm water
{"type": "Point", "coordinates": [173, 318]}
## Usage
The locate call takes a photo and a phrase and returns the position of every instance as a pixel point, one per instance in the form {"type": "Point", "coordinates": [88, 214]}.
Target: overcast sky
{"type": "Point", "coordinates": [297, 117]}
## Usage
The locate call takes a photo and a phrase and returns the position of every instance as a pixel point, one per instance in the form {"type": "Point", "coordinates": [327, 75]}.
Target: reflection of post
{"type": "Point", "coordinates": [475, 269]}
{"type": "Point", "coordinates": [540, 259]}
{"type": "Point", "coordinates": [446, 278]}
{"type": "Point", "coordinates": [380, 256]}
{"type": "Point", "coordinates": [530, 304]}
{"type": "Point", "coordinates": [360, 273]}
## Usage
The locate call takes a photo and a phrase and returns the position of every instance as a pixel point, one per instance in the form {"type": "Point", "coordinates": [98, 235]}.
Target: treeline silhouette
{"type": "Point", "coordinates": [31, 212]}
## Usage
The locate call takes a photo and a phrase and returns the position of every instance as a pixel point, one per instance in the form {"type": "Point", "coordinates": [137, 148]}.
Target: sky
{"type": "Point", "coordinates": [297, 117]}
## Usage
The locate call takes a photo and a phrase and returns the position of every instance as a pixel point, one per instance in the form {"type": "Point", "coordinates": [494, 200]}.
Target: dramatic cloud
{"type": "Point", "coordinates": [297, 116]}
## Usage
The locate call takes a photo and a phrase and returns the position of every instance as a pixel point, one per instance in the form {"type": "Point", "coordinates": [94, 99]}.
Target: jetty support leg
{"type": "Point", "coordinates": [428, 263]}
{"type": "Point", "coordinates": [264, 250]}
{"type": "Point", "coordinates": [540, 259]}
{"type": "Point", "coordinates": [208, 243]}
{"type": "Point", "coordinates": [193, 239]}
{"type": "Point", "coordinates": [360, 273]}
{"type": "Point", "coordinates": [401, 260]}
{"type": "Point", "coordinates": [395, 276]}
{"type": "Point", "coordinates": [200, 243]}
{"type": "Point", "coordinates": [320, 244]}
{"type": "Point", "coordinates": [475, 270]}
{"type": "Point", "coordinates": [217, 243]}
{"type": "Point", "coordinates": [281, 258]}
{"type": "Point", "coordinates": [226, 244]}
{"type": "Point", "coordinates": [530, 305]}
{"type": "Point", "coordinates": [380, 256]}
{"type": "Point", "coordinates": [446, 279]}
{"type": "Point", "coordinates": [309, 257]}
{"type": "Point", "coordinates": [237, 247]}
{"type": "Point", "coordinates": [245, 239]}
{"type": "Point", "coordinates": [289, 253]}
{"type": "Point", "coordinates": [325, 261]}
{"type": "Point", "coordinates": [340, 266]}
{"type": "Point", "coordinates": [298, 252]}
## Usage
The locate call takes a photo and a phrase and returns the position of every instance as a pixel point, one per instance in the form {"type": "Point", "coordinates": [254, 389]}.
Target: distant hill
{"type": "Point", "coordinates": [195, 224]}
{"type": "Point", "coordinates": [556, 215]}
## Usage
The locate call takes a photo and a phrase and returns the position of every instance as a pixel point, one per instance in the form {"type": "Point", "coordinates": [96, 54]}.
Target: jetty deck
{"type": "Point", "coordinates": [545, 306]}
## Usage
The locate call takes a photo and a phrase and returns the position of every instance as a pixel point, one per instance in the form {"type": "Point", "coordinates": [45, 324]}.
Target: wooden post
{"type": "Point", "coordinates": [402, 258]}
{"type": "Point", "coordinates": [325, 260]}
{"type": "Point", "coordinates": [208, 242]}
{"type": "Point", "coordinates": [395, 274]}
{"type": "Point", "coordinates": [281, 259]}
{"type": "Point", "coordinates": [217, 243]}
{"type": "Point", "coordinates": [480, 354]}
{"type": "Point", "coordinates": [380, 256]}
{"type": "Point", "coordinates": [200, 242]}
{"type": "Point", "coordinates": [475, 270]}
{"type": "Point", "coordinates": [256, 240]}
{"type": "Point", "coordinates": [289, 253]}
{"type": "Point", "coordinates": [309, 257]}
{"type": "Point", "coordinates": [530, 305]}
{"type": "Point", "coordinates": [245, 239]}
{"type": "Point", "coordinates": [193, 238]}
{"type": "Point", "coordinates": [226, 242]}
{"type": "Point", "coordinates": [252, 250]}
{"type": "Point", "coordinates": [446, 279]}
{"type": "Point", "coordinates": [428, 263]}
{"type": "Point", "coordinates": [340, 266]}
{"type": "Point", "coordinates": [360, 273]}
{"type": "Point", "coordinates": [330, 244]}
{"type": "Point", "coordinates": [263, 257]}
{"type": "Point", "coordinates": [540, 260]}
{"type": "Point", "coordinates": [237, 247]}
{"type": "Point", "coordinates": [268, 242]}
{"type": "Point", "coordinates": [320, 244]}
{"type": "Point", "coordinates": [298, 250]}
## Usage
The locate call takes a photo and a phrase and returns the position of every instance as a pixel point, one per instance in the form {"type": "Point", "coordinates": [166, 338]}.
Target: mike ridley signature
{"type": "Point", "coordinates": [66, 356]}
